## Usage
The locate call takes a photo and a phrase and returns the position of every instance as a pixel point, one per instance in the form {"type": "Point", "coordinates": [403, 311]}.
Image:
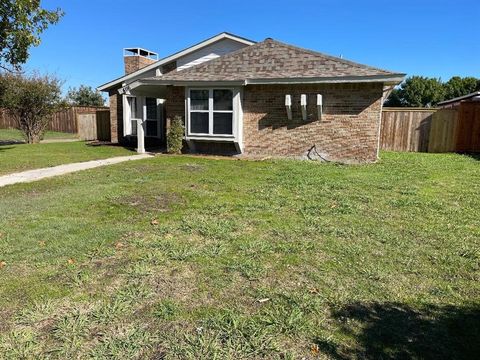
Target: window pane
{"type": "Point", "coordinates": [135, 113]}
{"type": "Point", "coordinates": [199, 123]}
{"type": "Point", "coordinates": [222, 100]}
{"type": "Point", "coordinates": [134, 127]}
{"type": "Point", "coordinates": [222, 123]}
{"type": "Point", "coordinates": [151, 128]}
{"type": "Point", "coordinates": [151, 104]}
{"type": "Point", "coordinates": [198, 99]}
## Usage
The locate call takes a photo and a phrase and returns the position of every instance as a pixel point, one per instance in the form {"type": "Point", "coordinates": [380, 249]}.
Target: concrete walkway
{"type": "Point", "coordinates": [38, 174]}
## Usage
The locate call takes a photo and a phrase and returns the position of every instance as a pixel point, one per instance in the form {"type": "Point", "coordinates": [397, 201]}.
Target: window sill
{"type": "Point", "coordinates": [230, 138]}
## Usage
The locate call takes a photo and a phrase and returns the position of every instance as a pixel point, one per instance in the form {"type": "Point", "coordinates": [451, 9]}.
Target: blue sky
{"type": "Point", "coordinates": [423, 37]}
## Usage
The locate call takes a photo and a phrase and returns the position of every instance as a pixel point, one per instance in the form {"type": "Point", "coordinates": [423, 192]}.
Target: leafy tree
{"type": "Point", "coordinates": [85, 96]}
{"type": "Point", "coordinates": [21, 24]}
{"type": "Point", "coordinates": [458, 86]}
{"type": "Point", "coordinates": [417, 91]}
{"type": "Point", "coordinates": [31, 101]}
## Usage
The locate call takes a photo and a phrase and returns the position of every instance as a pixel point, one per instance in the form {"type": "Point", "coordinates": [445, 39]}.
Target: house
{"type": "Point", "coordinates": [458, 101]}
{"type": "Point", "coordinates": [265, 98]}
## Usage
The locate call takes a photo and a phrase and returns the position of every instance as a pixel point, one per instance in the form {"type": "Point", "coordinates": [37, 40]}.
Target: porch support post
{"type": "Point", "coordinates": [141, 128]}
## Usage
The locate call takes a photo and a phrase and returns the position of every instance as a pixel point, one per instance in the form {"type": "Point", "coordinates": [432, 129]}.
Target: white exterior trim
{"type": "Point", "coordinates": [127, 128]}
{"type": "Point", "coordinates": [386, 79]}
{"type": "Point", "coordinates": [175, 56]}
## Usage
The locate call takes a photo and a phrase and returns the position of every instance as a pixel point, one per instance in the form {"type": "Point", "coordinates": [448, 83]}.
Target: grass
{"type": "Point", "coordinates": [16, 135]}
{"type": "Point", "coordinates": [191, 258]}
{"type": "Point", "coordinates": [21, 157]}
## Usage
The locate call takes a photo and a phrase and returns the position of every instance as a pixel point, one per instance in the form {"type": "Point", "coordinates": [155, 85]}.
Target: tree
{"type": "Point", "coordinates": [85, 96]}
{"type": "Point", "coordinates": [458, 86]}
{"type": "Point", "coordinates": [31, 101]}
{"type": "Point", "coordinates": [417, 91]}
{"type": "Point", "coordinates": [423, 91]}
{"type": "Point", "coordinates": [21, 24]}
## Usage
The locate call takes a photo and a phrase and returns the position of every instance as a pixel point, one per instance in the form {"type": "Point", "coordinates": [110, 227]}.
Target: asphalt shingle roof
{"type": "Point", "coordinates": [271, 59]}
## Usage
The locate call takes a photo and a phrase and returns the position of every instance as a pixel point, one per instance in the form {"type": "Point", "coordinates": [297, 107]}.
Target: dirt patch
{"type": "Point", "coordinates": [5, 320]}
{"type": "Point", "coordinates": [178, 283]}
{"type": "Point", "coordinates": [192, 167]}
{"type": "Point", "coordinates": [150, 203]}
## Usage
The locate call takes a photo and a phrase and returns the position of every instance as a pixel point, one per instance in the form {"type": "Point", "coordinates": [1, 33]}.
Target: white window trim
{"type": "Point", "coordinates": [236, 116]}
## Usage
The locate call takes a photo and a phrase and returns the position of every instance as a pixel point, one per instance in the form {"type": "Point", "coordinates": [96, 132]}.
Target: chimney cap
{"type": "Point", "coordinates": [137, 51]}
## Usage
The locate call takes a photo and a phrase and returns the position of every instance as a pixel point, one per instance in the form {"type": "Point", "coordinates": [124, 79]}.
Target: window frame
{"type": "Point", "coordinates": [211, 112]}
{"type": "Point", "coordinates": [156, 120]}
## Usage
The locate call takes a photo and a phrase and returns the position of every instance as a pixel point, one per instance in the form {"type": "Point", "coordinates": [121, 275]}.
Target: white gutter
{"type": "Point", "coordinates": [387, 79]}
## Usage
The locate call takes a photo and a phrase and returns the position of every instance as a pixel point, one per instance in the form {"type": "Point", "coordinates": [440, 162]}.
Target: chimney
{"type": "Point", "coordinates": [137, 58]}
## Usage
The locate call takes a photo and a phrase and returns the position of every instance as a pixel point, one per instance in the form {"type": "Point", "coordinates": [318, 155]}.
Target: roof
{"type": "Point", "coordinates": [272, 61]}
{"type": "Point", "coordinates": [165, 60]}
{"type": "Point", "coordinates": [475, 95]}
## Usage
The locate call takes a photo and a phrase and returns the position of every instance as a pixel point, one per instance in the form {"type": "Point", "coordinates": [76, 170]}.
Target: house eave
{"type": "Point", "coordinates": [385, 79]}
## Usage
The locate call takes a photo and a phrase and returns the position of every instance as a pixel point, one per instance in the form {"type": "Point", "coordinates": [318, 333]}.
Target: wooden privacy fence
{"type": "Point", "coordinates": [72, 120]}
{"type": "Point", "coordinates": [431, 130]}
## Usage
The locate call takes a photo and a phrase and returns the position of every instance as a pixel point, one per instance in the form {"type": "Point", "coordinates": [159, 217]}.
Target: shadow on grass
{"type": "Point", "coordinates": [475, 156]}
{"type": "Point", "coordinates": [396, 331]}
{"type": "Point", "coordinates": [11, 142]}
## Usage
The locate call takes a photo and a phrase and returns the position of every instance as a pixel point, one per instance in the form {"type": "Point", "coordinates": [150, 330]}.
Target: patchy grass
{"type": "Point", "coordinates": [20, 157]}
{"type": "Point", "coordinates": [16, 135]}
{"type": "Point", "coordinates": [189, 258]}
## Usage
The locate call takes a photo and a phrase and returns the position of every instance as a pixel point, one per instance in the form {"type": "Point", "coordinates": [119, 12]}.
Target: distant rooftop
{"type": "Point", "coordinates": [475, 96]}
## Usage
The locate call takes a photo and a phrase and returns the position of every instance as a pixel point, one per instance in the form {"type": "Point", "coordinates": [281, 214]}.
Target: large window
{"type": "Point", "coordinates": [211, 111]}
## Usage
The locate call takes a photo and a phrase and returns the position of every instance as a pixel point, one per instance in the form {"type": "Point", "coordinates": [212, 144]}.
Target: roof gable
{"type": "Point", "coordinates": [272, 59]}
{"type": "Point", "coordinates": [175, 56]}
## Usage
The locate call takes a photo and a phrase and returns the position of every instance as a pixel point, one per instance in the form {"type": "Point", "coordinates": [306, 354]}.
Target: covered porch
{"type": "Point", "coordinates": [144, 118]}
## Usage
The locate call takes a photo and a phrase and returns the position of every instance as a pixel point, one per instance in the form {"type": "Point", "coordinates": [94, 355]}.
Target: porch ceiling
{"type": "Point", "coordinates": [156, 91]}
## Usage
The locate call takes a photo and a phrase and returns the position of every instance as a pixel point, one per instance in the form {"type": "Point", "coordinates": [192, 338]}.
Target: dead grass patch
{"type": "Point", "coordinates": [149, 203]}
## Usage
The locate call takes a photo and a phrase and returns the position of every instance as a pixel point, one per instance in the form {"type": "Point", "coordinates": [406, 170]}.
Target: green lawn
{"type": "Point", "coordinates": [193, 258]}
{"type": "Point", "coordinates": [16, 135]}
{"type": "Point", "coordinates": [20, 157]}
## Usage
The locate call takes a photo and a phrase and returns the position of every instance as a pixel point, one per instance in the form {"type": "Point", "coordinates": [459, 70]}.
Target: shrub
{"type": "Point", "coordinates": [175, 136]}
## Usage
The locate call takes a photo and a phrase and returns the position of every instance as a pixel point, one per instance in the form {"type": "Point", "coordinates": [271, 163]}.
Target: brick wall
{"type": "Point", "coordinates": [134, 63]}
{"type": "Point", "coordinates": [348, 130]}
{"type": "Point", "coordinates": [175, 103]}
{"type": "Point", "coordinates": [116, 116]}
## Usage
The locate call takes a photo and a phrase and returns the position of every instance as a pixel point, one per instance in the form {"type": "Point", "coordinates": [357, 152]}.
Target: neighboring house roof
{"type": "Point", "coordinates": [179, 54]}
{"type": "Point", "coordinates": [473, 96]}
{"type": "Point", "coordinates": [271, 61]}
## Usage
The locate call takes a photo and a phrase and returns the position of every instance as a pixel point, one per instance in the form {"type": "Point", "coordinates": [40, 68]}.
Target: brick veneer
{"type": "Point", "coordinates": [348, 130]}
{"type": "Point", "coordinates": [116, 116]}
{"type": "Point", "coordinates": [134, 63]}
{"type": "Point", "coordinates": [175, 103]}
